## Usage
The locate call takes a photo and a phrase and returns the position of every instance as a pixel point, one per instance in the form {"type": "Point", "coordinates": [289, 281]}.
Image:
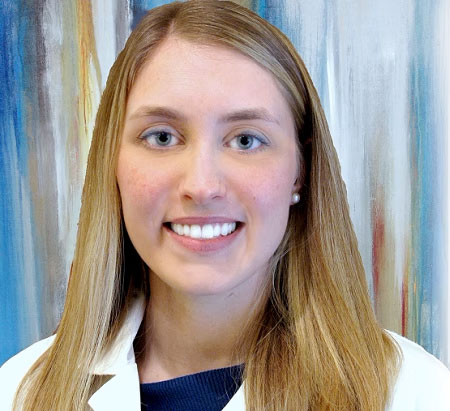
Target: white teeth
{"type": "Point", "coordinates": [196, 231]}
{"type": "Point", "coordinates": [224, 229]}
{"type": "Point", "coordinates": [207, 231]}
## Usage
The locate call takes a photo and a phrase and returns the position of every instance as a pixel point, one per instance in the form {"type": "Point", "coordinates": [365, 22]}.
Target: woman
{"type": "Point", "coordinates": [215, 245]}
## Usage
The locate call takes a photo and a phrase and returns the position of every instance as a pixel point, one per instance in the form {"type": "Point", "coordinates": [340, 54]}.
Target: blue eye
{"type": "Point", "coordinates": [159, 138]}
{"type": "Point", "coordinates": [247, 142]}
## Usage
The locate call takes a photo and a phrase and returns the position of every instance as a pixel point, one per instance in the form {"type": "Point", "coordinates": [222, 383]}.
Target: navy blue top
{"type": "Point", "coordinates": [205, 391]}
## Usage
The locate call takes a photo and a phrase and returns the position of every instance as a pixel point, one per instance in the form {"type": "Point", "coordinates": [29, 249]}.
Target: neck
{"type": "Point", "coordinates": [191, 333]}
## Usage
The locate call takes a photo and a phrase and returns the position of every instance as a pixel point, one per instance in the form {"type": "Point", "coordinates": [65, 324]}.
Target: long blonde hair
{"type": "Point", "coordinates": [315, 343]}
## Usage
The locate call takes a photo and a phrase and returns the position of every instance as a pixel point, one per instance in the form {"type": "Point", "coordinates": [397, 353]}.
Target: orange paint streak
{"type": "Point", "coordinates": [405, 290]}
{"type": "Point", "coordinates": [87, 56]}
{"type": "Point", "coordinates": [404, 304]}
{"type": "Point", "coordinates": [377, 245]}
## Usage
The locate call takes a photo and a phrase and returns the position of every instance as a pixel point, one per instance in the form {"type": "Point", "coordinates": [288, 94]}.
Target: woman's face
{"type": "Point", "coordinates": [208, 146]}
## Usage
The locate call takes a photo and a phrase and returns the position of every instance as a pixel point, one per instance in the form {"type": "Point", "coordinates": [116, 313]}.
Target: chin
{"type": "Point", "coordinates": [208, 283]}
{"type": "Point", "coordinates": [205, 285]}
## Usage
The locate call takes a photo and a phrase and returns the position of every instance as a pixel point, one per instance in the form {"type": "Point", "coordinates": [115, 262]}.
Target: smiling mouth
{"type": "Point", "coordinates": [204, 231]}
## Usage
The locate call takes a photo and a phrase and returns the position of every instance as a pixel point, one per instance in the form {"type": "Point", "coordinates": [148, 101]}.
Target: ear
{"type": "Point", "coordinates": [297, 184]}
{"type": "Point", "coordinates": [301, 174]}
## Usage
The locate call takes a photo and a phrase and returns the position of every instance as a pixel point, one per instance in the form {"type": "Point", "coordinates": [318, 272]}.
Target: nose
{"type": "Point", "coordinates": [202, 178]}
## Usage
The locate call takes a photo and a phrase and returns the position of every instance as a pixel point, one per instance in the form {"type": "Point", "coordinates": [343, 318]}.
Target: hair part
{"type": "Point", "coordinates": [314, 342]}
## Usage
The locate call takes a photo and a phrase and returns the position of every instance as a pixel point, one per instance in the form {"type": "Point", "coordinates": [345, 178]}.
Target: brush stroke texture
{"type": "Point", "coordinates": [382, 71]}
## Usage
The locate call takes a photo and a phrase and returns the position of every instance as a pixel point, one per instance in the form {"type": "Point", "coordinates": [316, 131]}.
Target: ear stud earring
{"type": "Point", "coordinates": [295, 198]}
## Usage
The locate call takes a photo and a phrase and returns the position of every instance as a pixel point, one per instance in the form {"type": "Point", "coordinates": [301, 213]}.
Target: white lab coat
{"type": "Point", "coordinates": [423, 383]}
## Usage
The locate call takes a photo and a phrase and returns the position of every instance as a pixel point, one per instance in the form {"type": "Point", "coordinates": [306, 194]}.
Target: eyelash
{"type": "Point", "coordinates": [144, 137]}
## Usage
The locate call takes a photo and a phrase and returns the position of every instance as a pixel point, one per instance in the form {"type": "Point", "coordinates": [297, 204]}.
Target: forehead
{"type": "Point", "coordinates": [195, 77]}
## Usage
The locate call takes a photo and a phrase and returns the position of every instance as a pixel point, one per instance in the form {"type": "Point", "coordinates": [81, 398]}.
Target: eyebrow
{"type": "Point", "coordinates": [257, 113]}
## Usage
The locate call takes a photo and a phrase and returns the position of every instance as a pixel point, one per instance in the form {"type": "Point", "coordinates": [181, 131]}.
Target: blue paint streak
{"type": "Point", "coordinates": [140, 7]}
{"type": "Point", "coordinates": [19, 52]}
{"type": "Point", "coordinates": [260, 7]}
{"type": "Point", "coordinates": [13, 168]}
{"type": "Point", "coordinates": [275, 14]}
{"type": "Point", "coordinates": [429, 235]}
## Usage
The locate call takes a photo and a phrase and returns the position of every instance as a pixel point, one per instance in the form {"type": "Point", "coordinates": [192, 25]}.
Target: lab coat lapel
{"type": "Point", "coordinates": [120, 393]}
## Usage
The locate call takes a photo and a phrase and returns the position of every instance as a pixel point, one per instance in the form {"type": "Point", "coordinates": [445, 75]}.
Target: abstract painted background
{"type": "Point", "coordinates": [382, 70]}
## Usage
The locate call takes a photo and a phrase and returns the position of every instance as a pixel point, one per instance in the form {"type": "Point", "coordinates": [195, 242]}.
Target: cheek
{"type": "Point", "coordinates": [271, 188]}
{"type": "Point", "coordinates": [267, 192]}
{"type": "Point", "coordinates": [269, 195]}
{"type": "Point", "coordinates": [140, 188]}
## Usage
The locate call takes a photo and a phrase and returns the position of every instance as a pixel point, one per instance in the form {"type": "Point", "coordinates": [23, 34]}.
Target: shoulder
{"type": "Point", "coordinates": [423, 382]}
{"type": "Point", "coordinates": [13, 370]}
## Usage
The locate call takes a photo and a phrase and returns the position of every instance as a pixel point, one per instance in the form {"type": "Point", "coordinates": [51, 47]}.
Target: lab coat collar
{"type": "Point", "coordinates": [122, 391]}
{"type": "Point", "coordinates": [121, 353]}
